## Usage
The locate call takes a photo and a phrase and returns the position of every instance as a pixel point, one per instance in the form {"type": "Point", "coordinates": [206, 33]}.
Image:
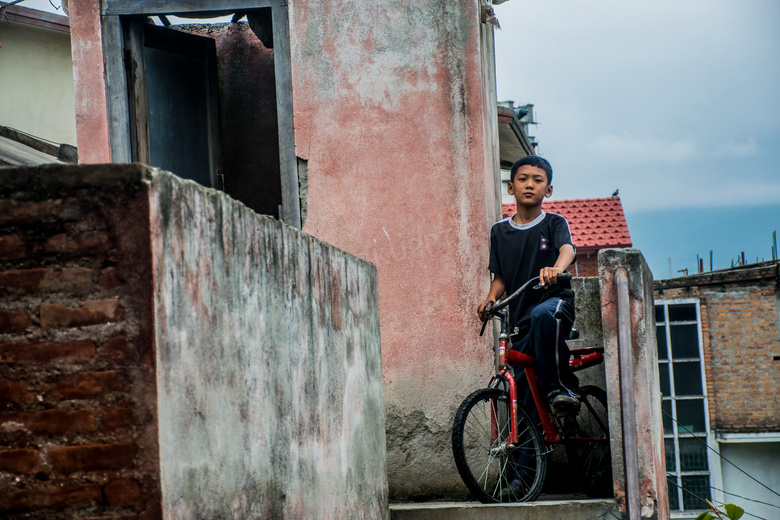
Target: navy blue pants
{"type": "Point", "coordinates": [551, 322]}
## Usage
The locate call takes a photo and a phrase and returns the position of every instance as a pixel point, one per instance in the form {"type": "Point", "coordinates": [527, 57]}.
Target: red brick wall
{"type": "Point", "coordinates": [587, 264]}
{"type": "Point", "coordinates": [739, 314]}
{"type": "Point", "coordinates": [78, 434]}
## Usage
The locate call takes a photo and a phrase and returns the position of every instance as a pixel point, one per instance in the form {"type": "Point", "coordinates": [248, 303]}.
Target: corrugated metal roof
{"type": "Point", "coordinates": [594, 223]}
{"type": "Point", "coordinates": [13, 153]}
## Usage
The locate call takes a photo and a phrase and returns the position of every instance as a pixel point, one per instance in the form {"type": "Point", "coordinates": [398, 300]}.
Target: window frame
{"type": "Point", "coordinates": [668, 364]}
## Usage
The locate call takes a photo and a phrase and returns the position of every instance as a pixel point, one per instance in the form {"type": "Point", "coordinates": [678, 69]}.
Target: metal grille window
{"type": "Point", "coordinates": [684, 398]}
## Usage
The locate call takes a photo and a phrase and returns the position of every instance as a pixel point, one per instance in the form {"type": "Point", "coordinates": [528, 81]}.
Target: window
{"type": "Point", "coordinates": [683, 403]}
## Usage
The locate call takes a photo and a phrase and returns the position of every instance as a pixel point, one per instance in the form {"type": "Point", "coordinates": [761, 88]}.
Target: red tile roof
{"type": "Point", "coordinates": [594, 223]}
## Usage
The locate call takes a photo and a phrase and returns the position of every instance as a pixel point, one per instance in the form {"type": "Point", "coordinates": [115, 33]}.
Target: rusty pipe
{"type": "Point", "coordinates": [628, 409]}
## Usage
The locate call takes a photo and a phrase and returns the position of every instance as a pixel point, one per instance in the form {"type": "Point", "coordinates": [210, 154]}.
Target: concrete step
{"type": "Point", "coordinates": [600, 509]}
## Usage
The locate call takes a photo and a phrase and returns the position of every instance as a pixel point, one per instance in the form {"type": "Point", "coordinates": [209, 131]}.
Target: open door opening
{"type": "Point", "coordinates": [173, 101]}
{"type": "Point", "coordinates": [209, 102]}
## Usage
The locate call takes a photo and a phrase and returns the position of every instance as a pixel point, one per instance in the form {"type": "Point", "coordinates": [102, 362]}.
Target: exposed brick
{"type": "Point", "coordinates": [14, 321]}
{"type": "Point", "coordinates": [90, 384]}
{"type": "Point", "coordinates": [121, 417]}
{"type": "Point", "coordinates": [26, 212]}
{"type": "Point", "coordinates": [87, 313]}
{"type": "Point", "coordinates": [49, 422]}
{"type": "Point", "coordinates": [93, 242]}
{"type": "Point", "coordinates": [122, 492]}
{"type": "Point", "coordinates": [119, 348]}
{"type": "Point", "coordinates": [28, 281]}
{"type": "Point", "coordinates": [39, 352]}
{"type": "Point", "coordinates": [92, 458]}
{"type": "Point", "coordinates": [109, 278]}
{"type": "Point", "coordinates": [11, 247]}
{"type": "Point", "coordinates": [13, 392]}
{"type": "Point", "coordinates": [18, 461]}
{"type": "Point", "coordinates": [111, 517]}
{"type": "Point", "coordinates": [50, 497]}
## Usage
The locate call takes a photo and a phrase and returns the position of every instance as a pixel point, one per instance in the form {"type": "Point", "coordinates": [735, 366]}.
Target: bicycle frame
{"type": "Point", "coordinates": [581, 359]}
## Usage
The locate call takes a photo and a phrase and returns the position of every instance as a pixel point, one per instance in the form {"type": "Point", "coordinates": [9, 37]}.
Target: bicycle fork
{"type": "Point", "coordinates": [499, 447]}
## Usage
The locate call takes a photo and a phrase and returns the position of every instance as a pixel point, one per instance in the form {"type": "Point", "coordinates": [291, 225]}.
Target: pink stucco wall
{"type": "Point", "coordinates": [395, 113]}
{"type": "Point", "coordinates": [393, 116]}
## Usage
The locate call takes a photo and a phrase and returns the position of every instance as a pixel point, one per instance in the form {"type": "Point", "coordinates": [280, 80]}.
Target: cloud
{"type": "Point", "coordinates": [639, 149]}
{"type": "Point", "coordinates": [736, 149]}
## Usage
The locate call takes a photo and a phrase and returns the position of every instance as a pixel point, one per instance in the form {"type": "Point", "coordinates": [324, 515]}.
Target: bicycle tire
{"type": "Point", "coordinates": [590, 460]}
{"type": "Point", "coordinates": [485, 465]}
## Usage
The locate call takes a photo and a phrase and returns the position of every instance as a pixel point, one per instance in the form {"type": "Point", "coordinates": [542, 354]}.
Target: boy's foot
{"type": "Point", "coordinates": [564, 405]}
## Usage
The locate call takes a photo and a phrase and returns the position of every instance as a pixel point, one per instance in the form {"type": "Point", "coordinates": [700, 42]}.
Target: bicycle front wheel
{"type": "Point", "coordinates": [493, 470]}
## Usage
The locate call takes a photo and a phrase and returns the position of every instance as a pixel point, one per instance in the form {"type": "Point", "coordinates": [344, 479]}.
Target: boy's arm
{"type": "Point", "coordinates": [497, 289]}
{"type": "Point", "coordinates": [549, 275]}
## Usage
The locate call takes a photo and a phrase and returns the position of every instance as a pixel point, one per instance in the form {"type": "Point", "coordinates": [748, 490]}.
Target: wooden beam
{"type": "Point", "coordinates": [116, 87]}
{"type": "Point", "coordinates": [147, 7]}
{"type": "Point", "coordinates": [17, 13]}
{"type": "Point", "coordinates": [139, 119]}
{"type": "Point", "coordinates": [288, 162]}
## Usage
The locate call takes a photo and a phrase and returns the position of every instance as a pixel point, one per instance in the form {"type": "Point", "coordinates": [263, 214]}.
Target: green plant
{"type": "Point", "coordinates": [732, 512]}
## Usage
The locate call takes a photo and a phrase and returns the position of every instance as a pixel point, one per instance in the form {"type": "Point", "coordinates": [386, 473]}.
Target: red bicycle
{"type": "Point", "coordinates": [499, 450]}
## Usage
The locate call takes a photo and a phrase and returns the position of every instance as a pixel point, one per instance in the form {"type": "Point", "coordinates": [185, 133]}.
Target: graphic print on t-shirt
{"type": "Point", "coordinates": [544, 244]}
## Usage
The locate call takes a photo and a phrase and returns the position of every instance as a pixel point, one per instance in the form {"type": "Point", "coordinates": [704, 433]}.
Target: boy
{"type": "Point", "coordinates": [534, 243]}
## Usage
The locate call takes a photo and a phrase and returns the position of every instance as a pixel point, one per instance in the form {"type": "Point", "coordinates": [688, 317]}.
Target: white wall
{"type": "Point", "coordinates": [761, 460]}
{"type": "Point", "coordinates": [36, 82]}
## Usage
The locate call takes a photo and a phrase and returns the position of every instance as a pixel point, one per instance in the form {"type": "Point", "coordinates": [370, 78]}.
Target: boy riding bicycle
{"type": "Point", "coordinates": [534, 243]}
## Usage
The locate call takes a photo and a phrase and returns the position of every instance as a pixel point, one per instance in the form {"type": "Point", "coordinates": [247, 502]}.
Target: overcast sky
{"type": "Point", "coordinates": [674, 102]}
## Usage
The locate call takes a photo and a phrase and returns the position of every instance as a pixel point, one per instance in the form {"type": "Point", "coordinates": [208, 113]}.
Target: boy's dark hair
{"type": "Point", "coordinates": [535, 161]}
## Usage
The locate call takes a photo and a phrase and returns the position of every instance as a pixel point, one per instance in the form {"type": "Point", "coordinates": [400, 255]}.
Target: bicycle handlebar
{"type": "Point", "coordinates": [493, 309]}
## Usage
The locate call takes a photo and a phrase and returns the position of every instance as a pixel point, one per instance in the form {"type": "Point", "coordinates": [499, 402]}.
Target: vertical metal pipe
{"type": "Point", "coordinates": [625, 356]}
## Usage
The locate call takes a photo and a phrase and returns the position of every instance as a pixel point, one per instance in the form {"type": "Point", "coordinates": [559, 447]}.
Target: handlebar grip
{"type": "Point", "coordinates": [564, 277]}
{"type": "Point", "coordinates": [488, 308]}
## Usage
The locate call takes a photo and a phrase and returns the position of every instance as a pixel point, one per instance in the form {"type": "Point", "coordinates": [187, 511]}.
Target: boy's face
{"type": "Point", "coordinates": [529, 186]}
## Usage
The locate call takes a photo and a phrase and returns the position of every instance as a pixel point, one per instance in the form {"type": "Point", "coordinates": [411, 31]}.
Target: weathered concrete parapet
{"type": "Point", "coordinates": [165, 352]}
{"type": "Point", "coordinates": [270, 376]}
{"type": "Point", "coordinates": [632, 384]}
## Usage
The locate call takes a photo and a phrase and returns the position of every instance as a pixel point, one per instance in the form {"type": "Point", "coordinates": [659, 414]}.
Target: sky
{"type": "Point", "coordinates": [674, 103]}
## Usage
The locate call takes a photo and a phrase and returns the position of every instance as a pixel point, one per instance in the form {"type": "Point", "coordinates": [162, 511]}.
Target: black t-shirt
{"type": "Point", "coordinates": [519, 252]}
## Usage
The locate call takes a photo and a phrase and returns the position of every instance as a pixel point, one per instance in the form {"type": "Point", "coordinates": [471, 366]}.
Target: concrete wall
{"type": "Point", "coordinates": [587, 303]}
{"type": "Point", "coordinates": [272, 395]}
{"type": "Point", "coordinates": [36, 79]}
{"type": "Point", "coordinates": [166, 352]}
{"type": "Point", "coordinates": [639, 444]}
{"type": "Point", "coordinates": [397, 122]}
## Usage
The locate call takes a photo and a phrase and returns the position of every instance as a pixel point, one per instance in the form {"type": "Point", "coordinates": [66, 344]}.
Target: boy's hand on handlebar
{"type": "Point", "coordinates": [549, 276]}
{"type": "Point", "coordinates": [481, 309]}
